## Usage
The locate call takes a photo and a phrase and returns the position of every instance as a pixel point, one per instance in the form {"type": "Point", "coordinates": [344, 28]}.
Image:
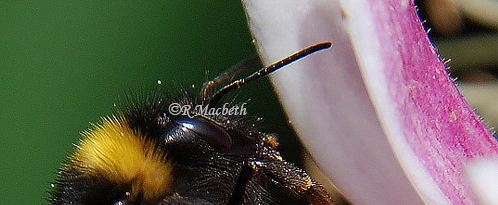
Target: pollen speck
{"type": "Point", "coordinates": [453, 116]}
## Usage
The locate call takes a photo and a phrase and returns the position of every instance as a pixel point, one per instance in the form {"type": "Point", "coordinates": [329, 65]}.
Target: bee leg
{"type": "Point", "coordinates": [255, 193]}
{"type": "Point", "coordinates": [296, 180]}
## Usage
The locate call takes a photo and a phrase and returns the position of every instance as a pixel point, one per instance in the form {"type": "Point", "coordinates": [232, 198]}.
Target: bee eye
{"type": "Point", "coordinates": [214, 134]}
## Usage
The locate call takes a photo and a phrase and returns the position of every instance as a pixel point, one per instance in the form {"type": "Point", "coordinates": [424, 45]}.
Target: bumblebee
{"type": "Point", "coordinates": [149, 153]}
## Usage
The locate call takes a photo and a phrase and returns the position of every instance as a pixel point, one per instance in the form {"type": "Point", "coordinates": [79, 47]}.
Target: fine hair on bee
{"type": "Point", "coordinates": [149, 153]}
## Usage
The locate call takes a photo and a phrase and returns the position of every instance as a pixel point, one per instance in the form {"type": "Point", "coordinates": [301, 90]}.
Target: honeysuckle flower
{"type": "Point", "coordinates": [378, 111]}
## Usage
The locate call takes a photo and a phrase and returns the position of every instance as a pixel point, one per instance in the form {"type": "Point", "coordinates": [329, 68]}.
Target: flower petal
{"type": "Point", "coordinates": [378, 110]}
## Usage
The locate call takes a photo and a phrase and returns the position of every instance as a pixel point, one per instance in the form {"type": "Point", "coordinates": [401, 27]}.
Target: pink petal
{"type": "Point", "coordinates": [378, 110]}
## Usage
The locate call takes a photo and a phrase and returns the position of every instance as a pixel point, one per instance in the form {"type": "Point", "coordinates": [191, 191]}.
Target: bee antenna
{"type": "Point", "coordinates": [216, 98]}
{"type": "Point", "coordinates": [208, 87]}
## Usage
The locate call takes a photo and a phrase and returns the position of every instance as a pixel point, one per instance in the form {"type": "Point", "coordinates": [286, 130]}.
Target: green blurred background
{"type": "Point", "coordinates": [64, 64]}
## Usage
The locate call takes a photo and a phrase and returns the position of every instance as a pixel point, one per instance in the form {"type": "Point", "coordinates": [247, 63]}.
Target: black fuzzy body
{"type": "Point", "coordinates": [203, 174]}
{"type": "Point", "coordinates": [199, 158]}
